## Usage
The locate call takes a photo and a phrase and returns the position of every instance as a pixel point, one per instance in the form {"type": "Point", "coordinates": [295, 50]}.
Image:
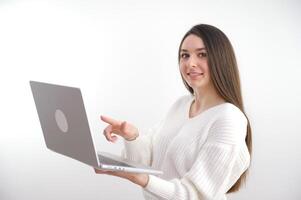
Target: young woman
{"type": "Point", "coordinates": [203, 146]}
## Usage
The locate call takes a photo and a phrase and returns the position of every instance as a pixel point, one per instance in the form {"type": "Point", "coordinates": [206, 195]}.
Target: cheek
{"type": "Point", "coordinates": [182, 70]}
{"type": "Point", "coordinates": [182, 66]}
{"type": "Point", "coordinates": [206, 68]}
{"type": "Point", "coordinates": [208, 76]}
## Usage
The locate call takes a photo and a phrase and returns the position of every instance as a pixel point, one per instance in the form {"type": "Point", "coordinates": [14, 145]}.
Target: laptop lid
{"type": "Point", "coordinates": [64, 121]}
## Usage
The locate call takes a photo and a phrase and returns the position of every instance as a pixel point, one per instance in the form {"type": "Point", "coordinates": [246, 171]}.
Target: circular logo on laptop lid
{"type": "Point", "coordinates": [61, 120]}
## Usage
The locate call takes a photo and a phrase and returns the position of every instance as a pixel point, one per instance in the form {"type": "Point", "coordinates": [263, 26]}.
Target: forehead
{"type": "Point", "coordinates": [192, 42]}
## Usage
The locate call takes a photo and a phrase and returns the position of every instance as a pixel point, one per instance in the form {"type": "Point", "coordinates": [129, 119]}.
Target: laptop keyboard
{"type": "Point", "coordinates": [109, 161]}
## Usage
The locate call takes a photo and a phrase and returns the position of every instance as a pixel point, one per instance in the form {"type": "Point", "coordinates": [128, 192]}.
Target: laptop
{"type": "Point", "coordinates": [66, 129]}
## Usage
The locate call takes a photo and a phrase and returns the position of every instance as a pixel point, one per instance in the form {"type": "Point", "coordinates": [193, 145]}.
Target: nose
{"type": "Point", "coordinates": [192, 62]}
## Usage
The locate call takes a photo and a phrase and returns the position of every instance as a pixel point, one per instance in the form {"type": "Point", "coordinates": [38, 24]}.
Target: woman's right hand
{"type": "Point", "coordinates": [122, 128]}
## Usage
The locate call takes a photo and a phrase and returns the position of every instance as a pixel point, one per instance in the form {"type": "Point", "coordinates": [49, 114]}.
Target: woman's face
{"type": "Point", "coordinates": [194, 63]}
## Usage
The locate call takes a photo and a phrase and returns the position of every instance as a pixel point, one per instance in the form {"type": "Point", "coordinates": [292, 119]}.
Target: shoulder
{"type": "Point", "coordinates": [229, 122]}
{"type": "Point", "coordinates": [228, 111]}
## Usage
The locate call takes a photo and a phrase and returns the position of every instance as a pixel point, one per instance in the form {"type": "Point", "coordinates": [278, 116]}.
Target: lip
{"type": "Point", "coordinates": [195, 73]}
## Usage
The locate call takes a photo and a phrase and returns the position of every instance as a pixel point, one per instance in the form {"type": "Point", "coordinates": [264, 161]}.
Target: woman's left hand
{"type": "Point", "coordinates": [139, 179]}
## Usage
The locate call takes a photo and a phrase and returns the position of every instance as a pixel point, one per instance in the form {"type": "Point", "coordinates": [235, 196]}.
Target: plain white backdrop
{"type": "Point", "coordinates": [123, 56]}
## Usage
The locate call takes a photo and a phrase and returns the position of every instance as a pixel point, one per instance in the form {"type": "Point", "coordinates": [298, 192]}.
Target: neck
{"type": "Point", "coordinates": [206, 98]}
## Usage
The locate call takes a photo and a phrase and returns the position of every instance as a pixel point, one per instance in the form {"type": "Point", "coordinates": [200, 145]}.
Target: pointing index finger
{"type": "Point", "coordinates": [109, 120]}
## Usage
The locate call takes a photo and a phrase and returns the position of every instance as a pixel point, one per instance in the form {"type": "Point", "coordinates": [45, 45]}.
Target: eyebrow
{"type": "Point", "coordinates": [198, 49]}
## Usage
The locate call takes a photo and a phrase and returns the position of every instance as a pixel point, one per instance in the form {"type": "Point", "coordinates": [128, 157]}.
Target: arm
{"type": "Point", "coordinates": [218, 165]}
{"type": "Point", "coordinates": [211, 175]}
{"type": "Point", "coordinates": [207, 179]}
{"type": "Point", "coordinates": [140, 149]}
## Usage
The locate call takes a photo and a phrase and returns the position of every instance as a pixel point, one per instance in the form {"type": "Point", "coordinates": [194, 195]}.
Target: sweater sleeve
{"type": "Point", "coordinates": [140, 150]}
{"type": "Point", "coordinates": [217, 167]}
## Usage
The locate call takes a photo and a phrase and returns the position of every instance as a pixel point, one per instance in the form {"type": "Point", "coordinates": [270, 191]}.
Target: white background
{"type": "Point", "coordinates": [123, 56]}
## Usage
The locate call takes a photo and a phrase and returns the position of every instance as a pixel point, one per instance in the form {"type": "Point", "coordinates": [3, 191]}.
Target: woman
{"type": "Point", "coordinates": [203, 146]}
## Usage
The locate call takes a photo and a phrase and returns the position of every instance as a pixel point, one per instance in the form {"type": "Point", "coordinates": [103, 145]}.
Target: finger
{"type": "Point", "coordinates": [110, 120]}
{"type": "Point", "coordinates": [123, 127]}
{"type": "Point", "coordinates": [98, 171]}
{"type": "Point", "coordinates": [112, 173]}
{"type": "Point", "coordinates": [108, 133]}
{"type": "Point", "coordinates": [114, 138]}
{"type": "Point", "coordinates": [127, 129]}
{"type": "Point", "coordinates": [101, 171]}
{"type": "Point", "coordinates": [125, 175]}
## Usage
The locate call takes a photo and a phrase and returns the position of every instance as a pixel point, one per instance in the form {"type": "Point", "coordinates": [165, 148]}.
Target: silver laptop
{"type": "Point", "coordinates": [66, 129]}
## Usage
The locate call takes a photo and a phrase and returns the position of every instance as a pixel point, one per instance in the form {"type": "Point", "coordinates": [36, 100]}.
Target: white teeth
{"type": "Point", "coordinates": [195, 73]}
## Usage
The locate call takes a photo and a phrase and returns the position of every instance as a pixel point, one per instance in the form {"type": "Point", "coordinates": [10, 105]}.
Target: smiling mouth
{"type": "Point", "coordinates": [195, 74]}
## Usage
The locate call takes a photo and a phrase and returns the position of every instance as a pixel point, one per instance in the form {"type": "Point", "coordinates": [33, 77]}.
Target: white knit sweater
{"type": "Point", "coordinates": [201, 157]}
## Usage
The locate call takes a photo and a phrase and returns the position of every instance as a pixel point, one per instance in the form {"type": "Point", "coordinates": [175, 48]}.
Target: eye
{"type": "Point", "coordinates": [202, 54]}
{"type": "Point", "coordinates": [184, 55]}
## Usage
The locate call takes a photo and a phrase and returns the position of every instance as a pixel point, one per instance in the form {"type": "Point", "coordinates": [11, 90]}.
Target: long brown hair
{"type": "Point", "coordinates": [224, 75]}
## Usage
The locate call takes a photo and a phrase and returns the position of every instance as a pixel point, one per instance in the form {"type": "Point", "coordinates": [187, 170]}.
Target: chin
{"type": "Point", "coordinates": [196, 86]}
{"type": "Point", "coordinates": [197, 83]}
